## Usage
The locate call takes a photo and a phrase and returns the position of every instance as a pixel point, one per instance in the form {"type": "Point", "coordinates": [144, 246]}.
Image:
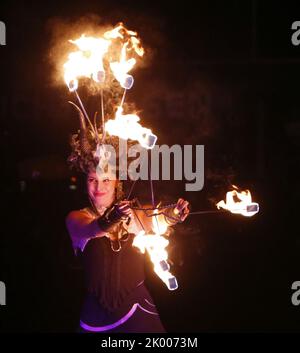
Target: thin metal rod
{"type": "Point", "coordinates": [145, 209]}
{"type": "Point", "coordinates": [123, 98]}
{"type": "Point", "coordinates": [152, 192]}
{"type": "Point", "coordinates": [207, 212]}
{"type": "Point", "coordinates": [131, 189]}
{"type": "Point", "coordinates": [140, 222]}
{"type": "Point", "coordinates": [102, 115]}
{"type": "Point", "coordinates": [95, 126]}
{"type": "Point", "coordinates": [84, 111]}
{"type": "Point", "coordinates": [134, 182]}
{"type": "Point", "coordinates": [154, 208]}
{"type": "Point", "coordinates": [151, 185]}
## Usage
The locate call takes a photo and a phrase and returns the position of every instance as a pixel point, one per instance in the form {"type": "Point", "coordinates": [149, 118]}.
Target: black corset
{"type": "Point", "coordinates": [111, 275]}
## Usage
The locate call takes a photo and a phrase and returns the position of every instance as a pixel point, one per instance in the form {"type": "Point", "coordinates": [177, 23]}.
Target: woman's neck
{"type": "Point", "coordinates": [101, 209]}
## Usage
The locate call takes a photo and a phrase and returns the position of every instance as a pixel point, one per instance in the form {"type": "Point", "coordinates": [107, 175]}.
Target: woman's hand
{"type": "Point", "coordinates": [124, 208]}
{"type": "Point", "coordinates": [181, 209]}
{"type": "Point", "coordinates": [178, 213]}
{"type": "Point", "coordinates": [114, 215]}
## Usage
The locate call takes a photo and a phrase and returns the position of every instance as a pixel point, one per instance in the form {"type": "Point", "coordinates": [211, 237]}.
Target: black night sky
{"type": "Point", "coordinates": [225, 75]}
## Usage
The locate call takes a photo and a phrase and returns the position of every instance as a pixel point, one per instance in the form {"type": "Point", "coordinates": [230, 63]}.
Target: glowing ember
{"type": "Point", "coordinates": [239, 203]}
{"type": "Point", "coordinates": [127, 127]}
{"type": "Point", "coordinates": [87, 62]}
{"type": "Point", "coordinates": [155, 245]}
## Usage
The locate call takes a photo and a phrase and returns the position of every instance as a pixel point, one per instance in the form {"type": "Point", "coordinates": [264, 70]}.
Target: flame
{"type": "Point", "coordinates": [130, 38]}
{"type": "Point", "coordinates": [116, 32]}
{"type": "Point", "coordinates": [155, 244]}
{"type": "Point", "coordinates": [128, 127]}
{"type": "Point", "coordinates": [121, 68]}
{"type": "Point", "coordinates": [87, 62]}
{"type": "Point", "coordinates": [244, 206]}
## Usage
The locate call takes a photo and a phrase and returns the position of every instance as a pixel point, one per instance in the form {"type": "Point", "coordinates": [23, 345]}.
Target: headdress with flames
{"type": "Point", "coordinates": [105, 61]}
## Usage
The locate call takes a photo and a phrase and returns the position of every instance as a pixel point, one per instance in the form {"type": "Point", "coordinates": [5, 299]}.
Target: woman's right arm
{"type": "Point", "coordinates": [82, 226]}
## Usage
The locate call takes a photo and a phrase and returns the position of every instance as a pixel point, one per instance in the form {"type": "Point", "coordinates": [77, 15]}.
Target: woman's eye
{"type": "Point", "coordinates": [106, 180]}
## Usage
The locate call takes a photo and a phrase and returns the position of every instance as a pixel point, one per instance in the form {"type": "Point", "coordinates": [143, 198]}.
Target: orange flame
{"type": "Point", "coordinates": [243, 206]}
{"type": "Point", "coordinates": [128, 127]}
{"type": "Point", "coordinates": [121, 68]}
{"type": "Point", "coordinates": [87, 62]}
{"type": "Point", "coordinates": [155, 244]}
{"type": "Point", "coordinates": [130, 38]}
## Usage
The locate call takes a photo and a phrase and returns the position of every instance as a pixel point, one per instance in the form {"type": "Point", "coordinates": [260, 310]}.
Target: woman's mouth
{"type": "Point", "coordinates": [97, 194]}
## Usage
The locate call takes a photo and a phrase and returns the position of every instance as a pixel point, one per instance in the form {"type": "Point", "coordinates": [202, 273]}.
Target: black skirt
{"type": "Point", "coordinates": [136, 315]}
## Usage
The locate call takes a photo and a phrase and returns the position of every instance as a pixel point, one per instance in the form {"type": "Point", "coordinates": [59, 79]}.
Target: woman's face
{"type": "Point", "coordinates": [101, 189]}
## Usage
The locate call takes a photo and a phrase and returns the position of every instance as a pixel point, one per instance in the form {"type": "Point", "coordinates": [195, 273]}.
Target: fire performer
{"type": "Point", "coordinates": [112, 234]}
{"type": "Point", "coordinates": [117, 299]}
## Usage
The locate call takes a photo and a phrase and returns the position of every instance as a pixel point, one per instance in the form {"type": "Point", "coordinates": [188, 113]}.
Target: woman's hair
{"type": "Point", "coordinates": [82, 157]}
{"type": "Point", "coordinates": [84, 142]}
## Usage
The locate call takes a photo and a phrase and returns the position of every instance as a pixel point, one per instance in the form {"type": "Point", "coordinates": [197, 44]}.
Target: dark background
{"type": "Point", "coordinates": [223, 74]}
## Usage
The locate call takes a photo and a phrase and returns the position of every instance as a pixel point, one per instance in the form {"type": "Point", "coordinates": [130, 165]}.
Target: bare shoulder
{"type": "Point", "coordinates": [77, 215]}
